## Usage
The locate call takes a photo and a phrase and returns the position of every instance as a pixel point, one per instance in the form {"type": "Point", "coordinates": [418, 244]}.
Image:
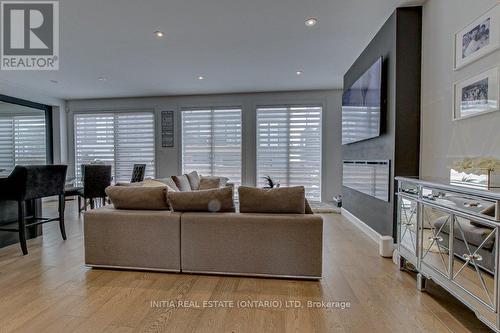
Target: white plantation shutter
{"type": "Point", "coordinates": [289, 147]}
{"type": "Point", "coordinates": [7, 144]}
{"type": "Point", "coordinates": [30, 146]}
{"type": "Point", "coordinates": [94, 140]}
{"type": "Point", "coordinates": [134, 144]}
{"type": "Point", "coordinates": [197, 141]}
{"type": "Point", "coordinates": [211, 142]}
{"type": "Point", "coordinates": [117, 139]}
{"type": "Point", "coordinates": [22, 141]}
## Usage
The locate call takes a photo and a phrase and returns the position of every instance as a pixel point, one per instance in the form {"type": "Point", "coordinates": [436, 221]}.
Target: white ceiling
{"type": "Point", "coordinates": [237, 45]}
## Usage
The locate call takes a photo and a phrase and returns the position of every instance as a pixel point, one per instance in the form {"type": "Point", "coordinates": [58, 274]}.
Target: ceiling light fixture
{"type": "Point", "coordinates": [101, 78]}
{"type": "Point", "coordinates": [201, 77]}
{"type": "Point", "coordinates": [159, 34]}
{"type": "Point", "coordinates": [311, 22]}
{"type": "Point", "coordinates": [299, 72]}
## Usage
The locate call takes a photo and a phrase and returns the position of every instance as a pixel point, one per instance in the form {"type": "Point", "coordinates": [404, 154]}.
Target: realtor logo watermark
{"type": "Point", "coordinates": [29, 35]}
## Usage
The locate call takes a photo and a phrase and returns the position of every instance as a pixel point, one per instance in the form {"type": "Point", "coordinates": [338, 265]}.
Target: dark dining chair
{"type": "Point", "coordinates": [138, 173]}
{"type": "Point", "coordinates": [27, 183]}
{"type": "Point", "coordinates": [96, 177]}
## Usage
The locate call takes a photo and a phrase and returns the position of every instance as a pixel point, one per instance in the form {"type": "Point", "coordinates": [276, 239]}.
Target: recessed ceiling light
{"type": "Point", "coordinates": [201, 77]}
{"type": "Point", "coordinates": [311, 22]}
{"type": "Point", "coordinates": [299, 72]}
{"type": "Point", "coordinates": [101, 78]}
{"type": "Point", "coordinates": [159, 34]}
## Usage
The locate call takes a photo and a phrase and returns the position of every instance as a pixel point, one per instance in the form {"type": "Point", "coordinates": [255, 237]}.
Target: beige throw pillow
{"type": "Point", "coordinates": [207, 183]}
{"type": "Point", "coordinates": [286, 200]}
{"type": "Point", "coordinates": [214, 200]}
{"type": "Point", "coordinates": [169, 182]}
{"type": "Point", "coordinates": [138, 197]}
{"type": "Point", "coordinates": [182, 183]}
{"type": "Point", "coordinates": [194, 180]}
{"type": "Point", "coordinates": [308, 209]}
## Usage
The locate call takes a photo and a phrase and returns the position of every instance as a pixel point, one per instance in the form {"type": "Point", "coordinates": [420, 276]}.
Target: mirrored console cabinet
{"type": "Point", "coordinates": [450, 234]}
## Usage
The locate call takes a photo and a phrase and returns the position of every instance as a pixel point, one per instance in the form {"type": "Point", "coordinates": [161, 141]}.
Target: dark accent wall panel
{"type": "Point", "coordinates": [399, 43]}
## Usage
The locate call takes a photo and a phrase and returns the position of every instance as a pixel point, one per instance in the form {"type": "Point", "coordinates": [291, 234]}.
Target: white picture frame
{"type": "Point", "coordinates": [478, 39]}
{"type": "Point", "coordinates": [476, 95]}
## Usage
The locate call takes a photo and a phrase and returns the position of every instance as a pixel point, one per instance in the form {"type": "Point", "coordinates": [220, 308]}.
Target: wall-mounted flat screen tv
{"type": "Point", "coordinates": [362, 106]}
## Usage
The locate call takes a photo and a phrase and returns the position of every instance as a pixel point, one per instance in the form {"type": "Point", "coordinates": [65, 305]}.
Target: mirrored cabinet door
{"type": "Point", "coordinates": [407, 224]}
{"type": "Point", "coordinates": [435, 238]}
{"type": "Point", "coordinates": [474, 259]}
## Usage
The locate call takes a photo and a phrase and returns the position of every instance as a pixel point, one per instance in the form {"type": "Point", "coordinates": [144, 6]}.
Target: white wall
{"type": "Point", "coordinates": [168, 159]}
{"type": "Point", "coordinates": [444, 140]}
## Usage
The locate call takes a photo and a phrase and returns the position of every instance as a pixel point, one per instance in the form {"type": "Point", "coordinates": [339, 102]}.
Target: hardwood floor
{"type": "Point", "coordinates": [50, 290]}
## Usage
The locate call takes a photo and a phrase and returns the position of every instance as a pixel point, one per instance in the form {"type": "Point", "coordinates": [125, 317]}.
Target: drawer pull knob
{"type": "Point", "coordinates": [475, 257]}
{"type": "Point", "coordinates": [436, 238]}
{"type": "Point", "coordinates": [410, 191]}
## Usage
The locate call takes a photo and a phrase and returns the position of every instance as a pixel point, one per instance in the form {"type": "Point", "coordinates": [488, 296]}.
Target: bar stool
{"type": "Point", "coordinates": [96, 177]}
{"type": "Point", "coordinates": [27, 183]}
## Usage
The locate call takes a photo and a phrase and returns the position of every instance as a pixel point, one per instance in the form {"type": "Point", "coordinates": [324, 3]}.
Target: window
{"type": "Point", "coordinates": [289, 147]}
{"type": "Point", "coordinates": [211, 142]}
{"type": "Point", "coordinates": [22, 141]}
{"type": "Point", "coordinates": [118, 139]}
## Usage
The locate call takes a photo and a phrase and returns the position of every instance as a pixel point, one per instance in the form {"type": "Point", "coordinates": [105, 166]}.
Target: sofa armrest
{"type": "Point", "coordinates": [138, 239]}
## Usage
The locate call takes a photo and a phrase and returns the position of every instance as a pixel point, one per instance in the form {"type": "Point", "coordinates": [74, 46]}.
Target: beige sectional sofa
{"type": "Point", "coordinates": [276, 234]}
{"type": "Point", "coordinates": [275, 245]}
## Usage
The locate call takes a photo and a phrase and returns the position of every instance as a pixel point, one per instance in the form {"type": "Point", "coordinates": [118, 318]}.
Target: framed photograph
{"type": "Point", "coordinates": [477, 95]}
{"type": "Point", "coordinates": [167, 129]}
{"type": "Point", "coordinates": [478, 39]}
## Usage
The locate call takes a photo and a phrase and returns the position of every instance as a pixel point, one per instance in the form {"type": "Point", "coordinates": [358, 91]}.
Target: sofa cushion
{"type": "Point", "coordinates": [137, 184]}
{"type": "Point", "coordinates": [194, 180]}
{"type": "Point", "coordinates": [138, 197]}
{"type": "Point", "coordinates": [182, 183]}
{"type": "Point", "coordinates": [214, 200]}
{"type": "Point", "coordinates": [149, 182]}
{"type": "Point", "coordinates": [287, 200]}
{"type": "Point", "coordinates": [489, 211]}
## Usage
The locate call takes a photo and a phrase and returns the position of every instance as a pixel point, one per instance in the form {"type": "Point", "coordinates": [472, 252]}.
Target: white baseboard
{"type": "Point", "coordinates": [372, 234]}
{"type": "Point", "coordinates": [375, 236]}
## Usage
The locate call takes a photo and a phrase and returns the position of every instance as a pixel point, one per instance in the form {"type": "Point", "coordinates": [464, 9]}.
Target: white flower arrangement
{"type": "Point", "coordinates": [477, 165]}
